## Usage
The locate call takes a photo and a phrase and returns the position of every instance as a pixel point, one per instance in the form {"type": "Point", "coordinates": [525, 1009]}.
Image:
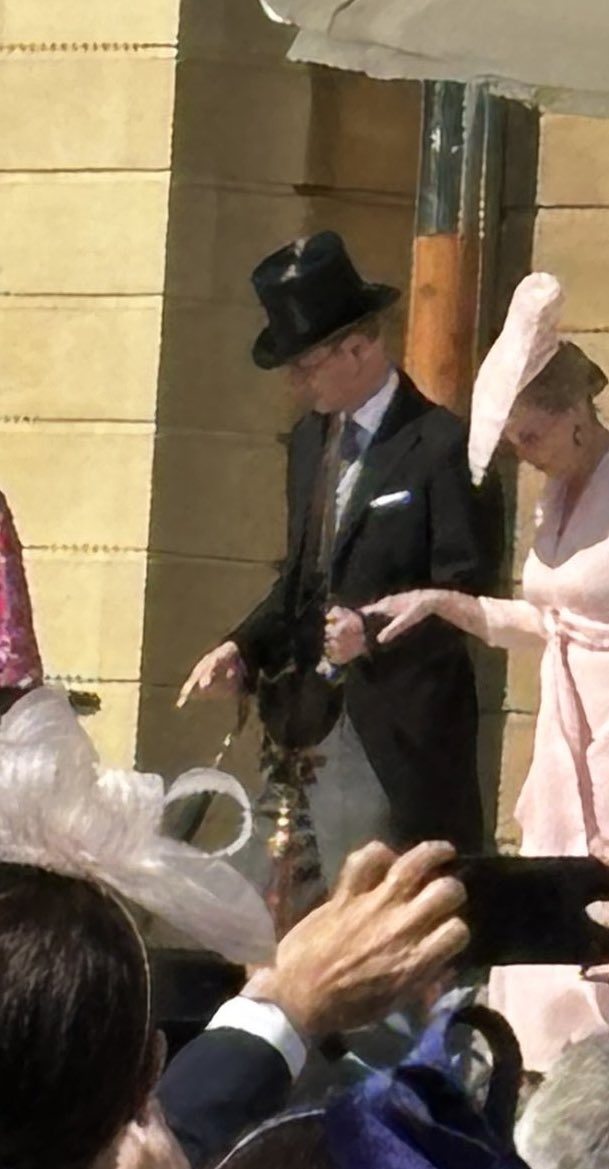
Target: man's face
{"type": "Point", "coordinates": [323, 377]}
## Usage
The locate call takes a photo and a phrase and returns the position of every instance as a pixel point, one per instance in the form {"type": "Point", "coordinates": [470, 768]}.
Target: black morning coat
{"type": "Point", "coordinates": [413, 703]}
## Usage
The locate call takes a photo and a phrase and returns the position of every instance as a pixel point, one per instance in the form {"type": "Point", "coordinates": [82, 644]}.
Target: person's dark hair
{"type": "Point", "coordinates": [297, 1141]}
{"type": "Point", "coordinates": [76, 1051]}
{"type": "Point", "coordinates": [569, 378]}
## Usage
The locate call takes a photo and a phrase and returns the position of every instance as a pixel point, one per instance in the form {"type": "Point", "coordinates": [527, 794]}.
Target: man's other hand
{"type": "Point", "coordinates": [219, 674]}
{"type": "Point", "coordinates": [344, 637]}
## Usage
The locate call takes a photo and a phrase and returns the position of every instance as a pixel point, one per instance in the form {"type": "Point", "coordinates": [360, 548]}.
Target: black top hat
{"type": "Point", "coordinates": [310, 291]}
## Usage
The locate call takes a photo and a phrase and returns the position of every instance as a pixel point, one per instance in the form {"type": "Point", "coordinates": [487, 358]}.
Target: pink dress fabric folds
{"type": "Point", "coordinates": [20, 665]}
{"type": "Point", "coordinates": [565, 799]}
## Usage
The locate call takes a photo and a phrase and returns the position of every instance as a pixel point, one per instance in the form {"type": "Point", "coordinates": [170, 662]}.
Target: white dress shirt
{"type": "Point", "coordinates": [268, 1022]}
{"type": "Point", "coordinates": [369, 418]}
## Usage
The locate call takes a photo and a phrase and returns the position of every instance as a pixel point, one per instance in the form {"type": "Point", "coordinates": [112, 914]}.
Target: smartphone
{"type": "Point", "coordinates": [532, 910]}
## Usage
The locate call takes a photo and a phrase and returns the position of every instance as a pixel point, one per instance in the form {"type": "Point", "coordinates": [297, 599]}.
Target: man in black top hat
{"type": "Point", "coordinates": [401, 761]}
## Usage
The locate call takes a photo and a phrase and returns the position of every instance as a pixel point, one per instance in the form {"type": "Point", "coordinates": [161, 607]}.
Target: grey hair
{"type": "Point", "coordinates": [566, 1123]}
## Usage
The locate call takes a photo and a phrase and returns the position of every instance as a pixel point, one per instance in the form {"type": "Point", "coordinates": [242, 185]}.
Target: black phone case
{"type": "Point", "coordinates": [532, 910]}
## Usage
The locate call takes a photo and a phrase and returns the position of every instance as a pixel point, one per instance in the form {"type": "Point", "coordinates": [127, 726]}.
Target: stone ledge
{"type": "Point", "coordinates": [62, 21]}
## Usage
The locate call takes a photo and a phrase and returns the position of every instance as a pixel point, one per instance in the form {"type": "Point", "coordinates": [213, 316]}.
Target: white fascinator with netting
{"type": "Point", "coordinates": [528, 341]}
{"type": "Point", "coordinates": [61, 810]}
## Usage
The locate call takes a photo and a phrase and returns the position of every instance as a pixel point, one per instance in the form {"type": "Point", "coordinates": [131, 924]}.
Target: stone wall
{"type": "Point", "coordinates": [263, 151]}
{"type": "Point", "coordinates": [85, 134]}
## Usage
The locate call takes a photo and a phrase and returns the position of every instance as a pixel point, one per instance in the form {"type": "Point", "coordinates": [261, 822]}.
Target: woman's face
{"type": "Point", "coordinates": [546, 441]}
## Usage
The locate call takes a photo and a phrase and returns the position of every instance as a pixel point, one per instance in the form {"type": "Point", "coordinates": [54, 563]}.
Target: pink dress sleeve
{"type": "Point", "coordinates": [510, 624]}
{"type": "Point", "coordinates": [20, 664]}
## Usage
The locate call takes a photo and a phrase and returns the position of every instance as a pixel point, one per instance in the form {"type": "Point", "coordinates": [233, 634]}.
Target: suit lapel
{"type": "Point", "coordinates": [397, 434]}
{"type": "Point", "coordinates": [309, 466]}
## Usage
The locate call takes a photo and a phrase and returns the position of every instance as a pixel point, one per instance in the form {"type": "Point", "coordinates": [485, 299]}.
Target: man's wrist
{"type": "Point", "coordinates": [265, 987]}
{"type": "Point", "coordinates": [259, 1011]}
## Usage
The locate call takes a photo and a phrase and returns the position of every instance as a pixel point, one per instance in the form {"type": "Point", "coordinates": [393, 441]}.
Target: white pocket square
{"type": "Point", "coordinates": [395, 499]}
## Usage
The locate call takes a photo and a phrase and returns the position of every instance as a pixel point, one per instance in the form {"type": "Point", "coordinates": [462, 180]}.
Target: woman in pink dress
{"type": "Point", "coordinates": [539, 394]}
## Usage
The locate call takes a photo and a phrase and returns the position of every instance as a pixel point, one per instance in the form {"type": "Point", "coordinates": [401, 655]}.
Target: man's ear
{"type": "Point", "coordinates": [358, 345]}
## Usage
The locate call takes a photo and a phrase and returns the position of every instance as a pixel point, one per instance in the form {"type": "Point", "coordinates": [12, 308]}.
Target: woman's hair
{"type": "Point", "coordinates": [569, 378]}
{"type": "Point", "coordinates": [76, 1049]}
{"type": "Point", "coordinates": [295, 1141]}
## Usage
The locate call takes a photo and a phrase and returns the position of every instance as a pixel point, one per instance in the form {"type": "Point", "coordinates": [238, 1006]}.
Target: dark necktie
{"type": "Point", "coordinates": [350, 444]}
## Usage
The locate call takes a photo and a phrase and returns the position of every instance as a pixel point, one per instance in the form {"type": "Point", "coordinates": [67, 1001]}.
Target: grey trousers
{"type": "Point", "coordinates": [348, 805]}
{"type": "Point", "coordinates": [348, 808]}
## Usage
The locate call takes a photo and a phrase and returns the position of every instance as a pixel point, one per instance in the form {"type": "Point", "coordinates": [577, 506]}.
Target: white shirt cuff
{"type": "Point", "coordinates": [268, 1022]}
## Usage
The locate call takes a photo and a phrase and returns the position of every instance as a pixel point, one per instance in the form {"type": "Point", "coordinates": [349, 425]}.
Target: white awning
{"type": "Point", "coordinates": [553, 53]}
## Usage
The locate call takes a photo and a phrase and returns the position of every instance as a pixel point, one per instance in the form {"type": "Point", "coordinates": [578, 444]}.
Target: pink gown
{"type": "Point", "coordinates": [565, 799]}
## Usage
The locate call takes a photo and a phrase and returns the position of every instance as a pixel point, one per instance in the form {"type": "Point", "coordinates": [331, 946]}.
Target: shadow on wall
{"type": "Point", "coordinates": [262, 151]}
{"type": "Point", "coordinates": [511, 191]}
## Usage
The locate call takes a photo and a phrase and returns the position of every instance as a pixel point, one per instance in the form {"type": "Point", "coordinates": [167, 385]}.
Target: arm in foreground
{"type": "Point", "coordinates": [389, 929]}
{"type": "Point", "coordinates": [504, 623]}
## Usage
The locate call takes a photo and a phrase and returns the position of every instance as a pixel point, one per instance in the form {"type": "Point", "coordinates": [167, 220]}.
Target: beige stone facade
{"type": "Point", "coordinates": [85, 147]}
{"type": "Point", "coordinates": [150, 152]}
{"type": "Point", "coordinates": [262, 151]}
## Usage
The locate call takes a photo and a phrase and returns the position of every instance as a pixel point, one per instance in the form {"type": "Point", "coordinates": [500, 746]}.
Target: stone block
{"type": "Point", "coordinates": [364, 133]}
{"type": "Point", "coordinates": [139, 21]}
{"type": "Point", "coordinates": [79, 358]}
{"type": "Point", "coordinates": [79, 485]}
{"type": "Point", "coordinates": [232, 30]}
{"type": "Point", "coordinates": [523, 680]}
{"type": "Point", "coordinates": [89, 611]}
{"type": "Point", "coordinates": [377, 233]}
{"type": "Point", "coordinates": [243, 122]}
{"type": "Point", "coordinates": [191, 605]}
{"type": "Point", "coordinates": [573, 243]}
{"type": "Point", "coordinates": [170, 741]}
{"type": "Point", "coordinates": [207, 378]}
{"type": "Point", "coordinates": [113, 728]}
{"type": "Point", "coordinates": [215, 238]}
{"type": "Point", "coordinates": [218, 495]}
{"type": "Point", "coordinates": [516, 760]}
{"type": "Point", "coordinates": [322, 128]}
{"type": "Point", "coordinates": [81, 112]}
{"type": "Point", "coordinates": [574, 162]}
{"type": "Point", "coordinates": [80, 234]}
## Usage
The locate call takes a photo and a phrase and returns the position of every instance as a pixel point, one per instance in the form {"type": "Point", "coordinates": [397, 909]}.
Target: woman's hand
{"type": "Point", "coordinates": [404, 610]}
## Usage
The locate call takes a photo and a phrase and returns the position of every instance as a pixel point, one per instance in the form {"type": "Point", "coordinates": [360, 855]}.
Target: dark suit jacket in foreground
{"type": "Point", "coordinates": [413, 704]}
{"type": "Point", "coordinates": [217, 1087]}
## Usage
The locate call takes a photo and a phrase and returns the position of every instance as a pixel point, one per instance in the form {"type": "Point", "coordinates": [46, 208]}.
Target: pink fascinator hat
{"type": "Point", "coordinates": [528, 341]}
